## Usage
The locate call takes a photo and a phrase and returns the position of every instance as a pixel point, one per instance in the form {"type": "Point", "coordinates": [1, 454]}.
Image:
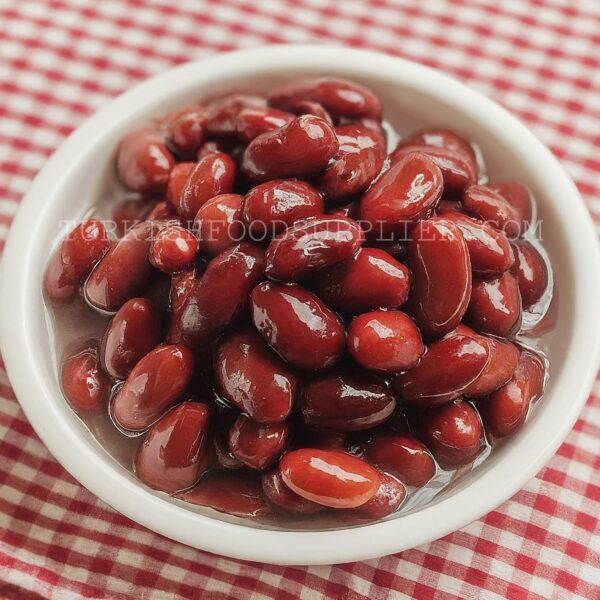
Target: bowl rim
{"type": "Point", "coordinates": [484, 494]}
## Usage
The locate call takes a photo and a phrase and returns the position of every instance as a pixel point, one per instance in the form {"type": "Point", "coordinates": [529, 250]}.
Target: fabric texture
{"type": "Point", "coordinates": [60, 60]}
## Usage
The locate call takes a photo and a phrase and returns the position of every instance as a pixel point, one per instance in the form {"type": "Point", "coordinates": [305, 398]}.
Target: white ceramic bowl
{"type": "Point", "coordinates": [413, 96]}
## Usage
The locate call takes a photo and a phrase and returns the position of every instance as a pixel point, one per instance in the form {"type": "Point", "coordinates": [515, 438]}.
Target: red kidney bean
{"type": "Point", "coordinates": [340, 97]}
{"type": "Point", "coordinates": [177, 180]}
{"type": "Point", "coordinates": [444, 371]}
{"type": "Point", "coordinates": [505, 410]}
{"type": "Point", "coordinates": [519, 197]}
{"type": "Point", "coordinates": [488, 205]}
{"type": "Point", "coordinates": [271, 207]}
{"type": "Point", "coordinates": [448, 205]}
{"type": "Point", "coordinates": [441, 138]}
{"type": "Point", "coordinates": [232, 493]}
{"type": "Point", "coordinates": [163, 211]}
{"type": "Point", "coordinates": [222, 113]}
{"type": "Point", "coordinates": [454, 434]}
{"type": "Point", "coordinates": [171, 456]}
{"type": "Point", "coordinates": [252, 122]}
{"type": "Point", "coordinates": [302, 148]}
{"type": "Point", "coordinates": [154, 384]}
{"type": "Point", "coordinates": [219, 223]}
{"type": "Point", "coordinates": [309, 107]}
{"type": "Point", "coordinates": [300, 328]}
{"type": "Point", "coordinates": [349, 211]}
{"type": "Point", "coordinates": [358, 161]}
{"type": "Point", "coordinates": [395, 248]}
{"type": "Point", "coordinates": [123, 271]}
{"type": "Point", "coordinates": [130, 212]}
{"type": "Point", "coordinates": [73, 259]}
{"type": "Point", "coordinates": [404, 457]}
{"type": "Point", "coordinates": [213, 175]}
{"type": "Point", "coordinates": [185, 130]}
{"type": "Point", "coordinates": [180, 289]}
{"type": "Point", "coordinates": [254, 379]}
{"type": "Point", "coordinates": [312, 245]}
{"type": "Point", "coordinates": [531, 272]}
{"type": "Point", "coordinates": [504, 356]}
{"type": "Point", "coordinates": [84, 384]}
{"type": "Point", "coordinates": [256, 445]}
{"type": "Point", "coordinates": [458, 169]}
{"type": "Point", "coordinates": [345, 400]}
{"type": "Point", "coordinates": [441, 270]}
{"type": "Point", "coordinates": [223, 454]}
{"type": "Point", "coordinates": [211, 146]}
{"type": "Point", "coordinates": [387, 500]}
{"type": "Point", "coordinates": [405, 193]}
{"type": "Point", "coordinates": [133, 332]}
{"type": "Point", "coordinates": [144, 163]}
{"type": "Point", "coordinates": [173, 249]}
{"type": "Point", "coordinates": [489, 249]}
{"type": "Point", "coordinates": [495, 305]}
{"type": "Point", "coordinates": [386, 341]}
{"type": "Point", "coordinates": [280, 495]}
{"type": "Point", "coordinates": [220, 296]}
{"type": "Point", "coordinates": [329, 477]}
{"type": "Point", "coordinates": [324, 439]}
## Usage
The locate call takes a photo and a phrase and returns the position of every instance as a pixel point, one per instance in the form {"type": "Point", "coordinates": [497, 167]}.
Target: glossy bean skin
{"type": "Point", "coordinates": [458, 169]}
{"type": "Point", "coordinates": [488, 205]}
{"type": "Point", "coordinates": [213, 175]}
{"type": "Point", "coordinates": [163, 211]}
{"type": "Point", "coordinates": [441, 138]}
{"type": "Point", "coordinates": [309, 107]}
{"type": "Point", "coordinates": [405, 193]}
{"type": "Point", "coordinates": [177, 180]}
{"type": "Point", "coordinates": [441, 269]}
{"type": "Point", "coordinates": [346, 400]}
{"type": "Point", "coordinates": [219, 297]}
{"type": "Point", "coordinates": [349, 210]}
{"type": "Point", "coordinates": [132, 333]}
{"type": "Point", "coordinates": [154, 384]}
{"type": "Point", "coordinates": [84, 384]}
{"type": "Point", "coordinates": [171, 456]}
{"type": "Point", "coordinates": [519, 197]}
{"type": "Point", "coordinates": [222, 113]}
{"type": "Point", "coordinates": [302, 148]}
{"type": "Point", "coordinates": [340, 97]}
{"type": "Point", "coordinates": [311, 245]}
{"type": "Point", "coordinates": [386, 341]}
{"type": "Point", "coordinates": [253, 378]}
{"type": "Point", "coordinates": [359, 160]}
{"type": "Point", "coordinates": [495, 305]}
{"type": "Point", "coordinates": [180, 290]}
{"type": "Point", "coordinates": [444, 371]}
{"type": "Point", "coordinates": [273, 206]}
{"type": "Point", "coordinates": [489, 249]}
{"type": "Point", "coordinates": [144, 162]}
{"type": "Point", "coordinates": [256, 445]}
{"type": "Point", "coordinates": [231, 493]}
{"type": "Point", "coordinates": [387, 500]}
{"type": "Point", "coordinates": [329, 477]}
{"type": "Point", "coordinates": [73, 260]}
{"type": "Point", "coordinates": [252, 122]}
{"type": "Point", "coordinates": [281, 497]}
{"type": "Point", "coordinates": [298, 326]}
{"type": "Point", "coordinates": [504, 356]}
{"type": "Point", "coordinates": [454, 434]}
{"type": "Point", "coordinates": [531, 272]}
{"type": "Point", "coordinates": [405, 457]}
{"type": "Point", "coordinates": [185, 130]}
{"type": "Point", "coordinates": [173, 249]}
{"type": "Point", "coordinates": [219, 224]}
{"type": "Point", "coordinates": [505, 411]}
{"type": "Point", "coordinates": [123, 271]}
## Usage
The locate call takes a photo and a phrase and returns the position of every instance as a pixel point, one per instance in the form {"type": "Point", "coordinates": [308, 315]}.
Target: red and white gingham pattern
{"type": "Point", "coordinates": [62, 59]}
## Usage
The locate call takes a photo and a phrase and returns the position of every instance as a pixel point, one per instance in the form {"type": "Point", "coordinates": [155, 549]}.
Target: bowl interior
{"type": "Point", "coordinates": [413, 97]}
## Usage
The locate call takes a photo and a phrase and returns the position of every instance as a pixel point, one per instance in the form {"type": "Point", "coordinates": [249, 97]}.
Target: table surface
{"type": "Point", "coordinates": [60, 60]}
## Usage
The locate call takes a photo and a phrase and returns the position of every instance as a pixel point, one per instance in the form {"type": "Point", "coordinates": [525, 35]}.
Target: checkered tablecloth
{"type": "Point", "coordinates": [60, 60]}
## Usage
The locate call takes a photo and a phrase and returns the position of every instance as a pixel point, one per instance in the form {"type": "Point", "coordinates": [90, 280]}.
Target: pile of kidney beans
{"type": "Point", "coordinates": [296, 319]}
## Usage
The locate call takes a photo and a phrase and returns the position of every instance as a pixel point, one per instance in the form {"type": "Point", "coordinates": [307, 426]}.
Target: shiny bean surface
{"type": "Point", "coordinates": [84, 384]}
{"type": "Point", "coordinates": [219, 224]}
{"type": "Point", "coordinates": [531, 272]}
{"type": "Point", "coordinates": [257, 445]}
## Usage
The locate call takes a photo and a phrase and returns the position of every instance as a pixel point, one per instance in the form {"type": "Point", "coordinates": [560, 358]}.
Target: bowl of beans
{"type": "Point", "coordinates": [302, 305]}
